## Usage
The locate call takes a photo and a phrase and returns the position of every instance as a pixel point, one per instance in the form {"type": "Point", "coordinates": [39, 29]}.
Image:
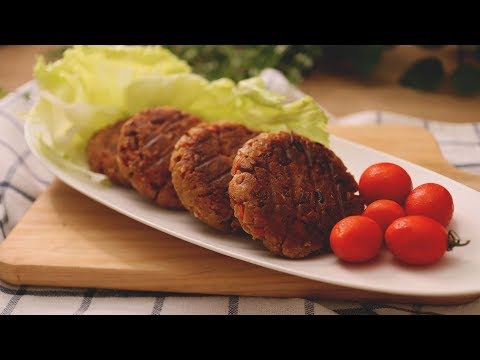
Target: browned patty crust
{"type": "Point", "coordinates": [289, 192]}
{"type": "Point", "coordinates": [102, 153]}
{"type": "Point", "coordinates": [144, 148]}
{"type": "Point", "coordinates": [201, 167]}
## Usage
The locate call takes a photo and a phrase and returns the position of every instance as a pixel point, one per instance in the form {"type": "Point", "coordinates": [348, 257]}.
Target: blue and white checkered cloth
{"type": "Point", "coordinates": [23, 178]}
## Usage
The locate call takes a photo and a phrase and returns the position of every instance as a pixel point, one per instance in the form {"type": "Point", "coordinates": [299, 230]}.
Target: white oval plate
{"type": "Point", "coordinates": [457, 274]}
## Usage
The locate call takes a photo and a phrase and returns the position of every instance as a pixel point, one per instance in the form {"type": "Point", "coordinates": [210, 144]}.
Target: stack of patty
{"type": "Point", "coordinates": [281, 188]}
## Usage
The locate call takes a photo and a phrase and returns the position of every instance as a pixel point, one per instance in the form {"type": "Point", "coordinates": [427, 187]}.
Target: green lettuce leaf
{"type": "Point", "coordinates": [93, 86]}
{"type": "Point", "coordinates": [98, 75]}
{"type": "Point", "coordinates": [247, 102]}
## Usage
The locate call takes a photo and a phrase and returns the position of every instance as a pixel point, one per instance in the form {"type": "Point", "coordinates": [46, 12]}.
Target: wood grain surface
{"type": "Point", "coordinates": [68, 240]}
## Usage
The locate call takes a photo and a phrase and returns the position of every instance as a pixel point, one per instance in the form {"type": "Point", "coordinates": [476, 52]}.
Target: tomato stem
{"type": "Point", "coordinates": [454, 240]}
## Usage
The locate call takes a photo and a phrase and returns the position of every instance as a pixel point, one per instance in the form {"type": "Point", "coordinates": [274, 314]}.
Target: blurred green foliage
{"type": "Point", "coordinates": [55, 53]}
{"type": "Point", "coordinates": [3, 93]}
{"type": "Point", "coordinates": [297, 61]}
{"type": "Point", "coordinates": [465, 80]}
{"type": "Point", "coordinates": [356, 60]}
{"type": "Point", "coordinates": [241, 61]}
{"type": "Point", "coordinates": [426, 74]}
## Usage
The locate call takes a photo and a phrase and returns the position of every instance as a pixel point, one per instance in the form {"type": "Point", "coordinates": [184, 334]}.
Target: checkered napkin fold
{"type": "Point", "coordinates": [23, 178]}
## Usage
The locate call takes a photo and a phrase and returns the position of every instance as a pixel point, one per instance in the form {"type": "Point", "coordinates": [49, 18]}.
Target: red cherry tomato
{"type": "Point", "coordinates": [431, 200]}
{"type": "Point", "coordinates": [356, 239]}
{"type": "Point", "coordinates": [384, 212]}
{"type": "Point", "coordinates": [417, 240]}
{"type": "Point", "coordinates": [385, 181]}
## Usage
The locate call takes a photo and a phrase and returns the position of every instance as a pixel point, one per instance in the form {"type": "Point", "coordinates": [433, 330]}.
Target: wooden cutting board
{"type": "Point", "coordinates": [68, 240]}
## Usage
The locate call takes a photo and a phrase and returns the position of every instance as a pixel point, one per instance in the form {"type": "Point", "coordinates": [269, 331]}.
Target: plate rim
{"type": "Point", "coordinates": [63, 175]}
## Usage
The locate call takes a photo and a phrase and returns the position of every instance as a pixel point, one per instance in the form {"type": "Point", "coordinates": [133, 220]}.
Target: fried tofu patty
{"type": "Point", "coordinates": [289, 192]}
{"type": "Point", "coordinates": [102, 153]}
{"type": "Point", "coordinates": [145, 146]}
{"type": "Point", "coordinates": [201, 167]}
